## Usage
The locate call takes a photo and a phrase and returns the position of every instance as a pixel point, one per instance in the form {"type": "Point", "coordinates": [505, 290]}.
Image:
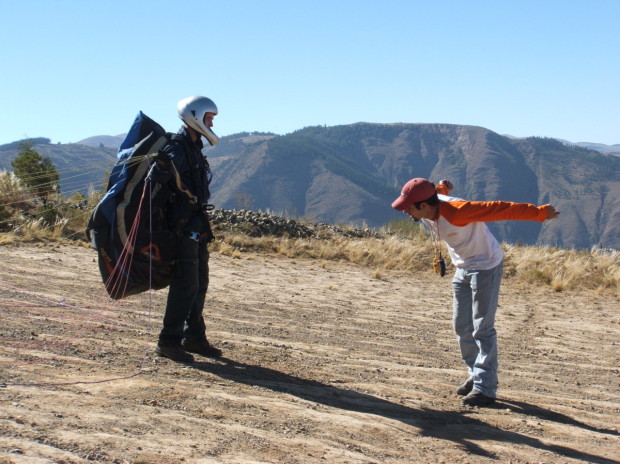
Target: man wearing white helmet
{"type": "Point", "coordinates": [182, 164]}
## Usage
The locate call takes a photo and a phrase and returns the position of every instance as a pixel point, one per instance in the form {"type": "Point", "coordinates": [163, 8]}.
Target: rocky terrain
{"type": "Point", "coordinates": [258, 224]}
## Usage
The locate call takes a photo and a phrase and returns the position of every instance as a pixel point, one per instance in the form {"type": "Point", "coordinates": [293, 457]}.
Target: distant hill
{"type": "Point", "coordinates": [110, 141]}
{"type": "Point", "coordinates": [600, 147]}
{"type": "Point", "coordinates": [80, 166]}
{"type": "Point", "coordinates": [350, 174]}
{"type": "Point", "coordinates": [615, 149]}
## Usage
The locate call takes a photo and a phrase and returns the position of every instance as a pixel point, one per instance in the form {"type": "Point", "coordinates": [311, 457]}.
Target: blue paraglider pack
{"type": "Point", "coordinates": [128, 227]}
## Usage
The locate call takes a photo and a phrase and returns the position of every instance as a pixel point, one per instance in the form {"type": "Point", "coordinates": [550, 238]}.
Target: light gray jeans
{"type": "Point", "coordinates": [476, 295]}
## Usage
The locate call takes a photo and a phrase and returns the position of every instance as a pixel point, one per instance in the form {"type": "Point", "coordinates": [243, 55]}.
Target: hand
{"type": "Point", "coordinates": [447, 184]}
{"type": "Point", "coordinates": [551, 212]}
{"type": "Point", "coordinates": [162, 158]}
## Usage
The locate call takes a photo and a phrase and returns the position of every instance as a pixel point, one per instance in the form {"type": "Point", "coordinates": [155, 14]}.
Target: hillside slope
{"type": "Point", "coordinates": [350, 175]}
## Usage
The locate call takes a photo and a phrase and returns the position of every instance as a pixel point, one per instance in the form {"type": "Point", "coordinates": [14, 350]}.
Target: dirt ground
{"type": "Point", "coordinates": [324, 363]}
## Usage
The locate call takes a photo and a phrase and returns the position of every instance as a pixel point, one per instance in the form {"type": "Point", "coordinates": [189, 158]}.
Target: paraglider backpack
{"type": "Point", "coordinates": [128, 228]}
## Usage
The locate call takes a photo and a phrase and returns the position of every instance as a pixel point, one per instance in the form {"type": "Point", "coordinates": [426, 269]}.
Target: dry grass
{"type": "Point", "coordinates": [388, 252]}
{"type": "Point", "coordinates": [565, 269]}
{"type": "Point", "coordinates": [562, 270]}
{"type": "Point", "coordinates": [35, 231]}
{"type": "Point", "coordinates": [410, 250]}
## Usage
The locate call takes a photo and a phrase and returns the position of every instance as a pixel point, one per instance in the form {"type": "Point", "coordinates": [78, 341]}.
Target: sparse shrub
{"type": "Point", "coordinates": [559, 283]}
{"type": "Point", "coordinates": [9, 190]}
{"type": "Point", "coordinates": [377, 274]}
{"type": "Point", "coordinates": [15, 201]}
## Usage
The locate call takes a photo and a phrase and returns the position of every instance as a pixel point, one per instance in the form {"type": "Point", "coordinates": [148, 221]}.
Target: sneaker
{"type": "Point", "coordinates": [466, 388]}
{"type": "Point", "coordinates": [174, 352]}
{"type": "Point", "coordinates": [203, 348]}
{"type": "Point", "coordinates": [475, 398]}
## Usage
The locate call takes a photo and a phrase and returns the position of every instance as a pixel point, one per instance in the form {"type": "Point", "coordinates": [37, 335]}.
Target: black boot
{"type": "Point", "coordinates": [174, 352]}
{"type": "Point", "coordinates": [203, 348]}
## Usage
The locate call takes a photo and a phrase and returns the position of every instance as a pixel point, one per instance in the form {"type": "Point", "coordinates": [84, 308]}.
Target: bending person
{"type": "Point", "coordinates": [479, 260]}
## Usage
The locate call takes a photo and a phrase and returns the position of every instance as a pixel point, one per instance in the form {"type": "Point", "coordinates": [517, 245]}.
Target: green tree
{"type": "Point", "coordinates": [37, 172]}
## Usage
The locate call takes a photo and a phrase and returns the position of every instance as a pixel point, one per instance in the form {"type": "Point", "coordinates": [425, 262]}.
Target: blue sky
{"type": "Point", "coordinates": [74, 69]}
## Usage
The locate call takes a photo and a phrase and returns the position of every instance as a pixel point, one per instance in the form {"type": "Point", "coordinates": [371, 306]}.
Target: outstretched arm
{"type": "Point", "coordinates": [462, 212]}
{"type": "Point", "coordinates": [492, 211]}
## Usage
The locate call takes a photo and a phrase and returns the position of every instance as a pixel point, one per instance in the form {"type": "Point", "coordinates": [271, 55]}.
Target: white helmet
{"type": "Point", "coordinates": [192, 111]}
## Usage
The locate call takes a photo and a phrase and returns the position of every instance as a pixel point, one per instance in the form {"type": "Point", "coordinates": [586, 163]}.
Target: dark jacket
{"type": "Point", "coordinates": [190, 188]}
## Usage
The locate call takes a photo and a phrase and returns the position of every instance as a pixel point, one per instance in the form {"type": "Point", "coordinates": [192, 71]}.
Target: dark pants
{"type": "Point", "coordinates": [186, 297]}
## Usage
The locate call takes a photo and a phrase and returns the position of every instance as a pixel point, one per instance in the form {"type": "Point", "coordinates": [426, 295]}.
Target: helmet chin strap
{"type": "Point", "coordinates": [195, 135]}
{"type": "Point", "coordinates": [211, 137]}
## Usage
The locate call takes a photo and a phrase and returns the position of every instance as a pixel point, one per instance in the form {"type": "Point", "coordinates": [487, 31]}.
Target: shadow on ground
{"type": "Point", "coordinates": [429, 422]}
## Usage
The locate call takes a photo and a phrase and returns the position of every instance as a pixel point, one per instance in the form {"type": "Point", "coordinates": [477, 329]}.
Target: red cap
{"type": "Point", "coordinates": [418, 189]}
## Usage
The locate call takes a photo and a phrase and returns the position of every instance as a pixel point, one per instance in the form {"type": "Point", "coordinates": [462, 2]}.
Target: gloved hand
{"type": "Point", "coordinates": [163, 159]}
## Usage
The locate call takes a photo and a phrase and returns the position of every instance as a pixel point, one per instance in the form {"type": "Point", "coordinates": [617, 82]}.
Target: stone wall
{"type": "Point", "coordinates": [258, 224]}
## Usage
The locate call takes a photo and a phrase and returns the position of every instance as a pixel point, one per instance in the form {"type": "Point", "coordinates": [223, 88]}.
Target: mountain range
{"type": "Point", "coordinates": [350, 174]}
